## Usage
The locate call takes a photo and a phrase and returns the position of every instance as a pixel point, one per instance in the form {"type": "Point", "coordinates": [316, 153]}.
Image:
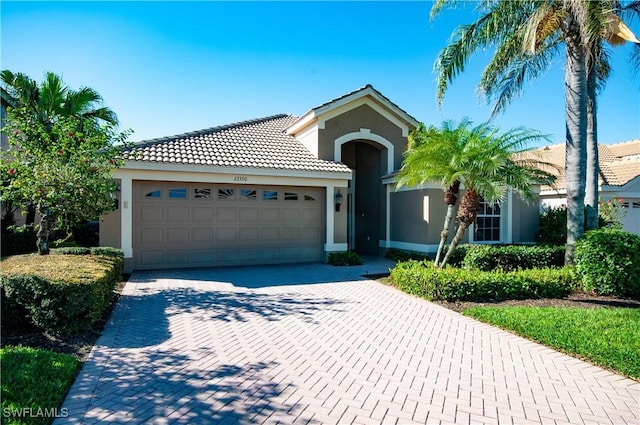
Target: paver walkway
{"type": "Point", "coordinates": [318, 344]}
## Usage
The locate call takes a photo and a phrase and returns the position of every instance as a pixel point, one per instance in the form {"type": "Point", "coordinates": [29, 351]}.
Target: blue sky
{"type": "Point", "coordinates": [171, 67]}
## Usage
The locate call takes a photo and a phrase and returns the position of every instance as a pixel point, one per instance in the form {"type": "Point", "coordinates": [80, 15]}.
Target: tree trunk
{"type": "Point", "coordinates": [593, 165]}
{"type": "Point", "coordinates": [576, 131]}
{"type": "Point", "coordinates": [450, 199]}
{"type": "Point", "coordinates": [462, 228]}
{"type": "Point", "coordinates": [30, 218]}
{"type": "Point", "coordinates": [469, 207]}
{"type": "Point", "coordinates": [43, 233]}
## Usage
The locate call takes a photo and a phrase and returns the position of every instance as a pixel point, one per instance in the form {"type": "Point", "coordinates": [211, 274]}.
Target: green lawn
{"type": "Point", "coordinates": [607, 337]}
{"type": "Point", "coordinates": [34, 383]}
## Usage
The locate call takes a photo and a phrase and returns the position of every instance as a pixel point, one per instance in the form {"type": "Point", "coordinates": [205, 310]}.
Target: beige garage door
{"type": "Point", "coordinates": [196, 225]}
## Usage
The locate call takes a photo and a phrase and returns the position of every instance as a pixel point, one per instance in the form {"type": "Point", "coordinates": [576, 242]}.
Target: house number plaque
{"type": "Point", "coordinates": [240, 178]}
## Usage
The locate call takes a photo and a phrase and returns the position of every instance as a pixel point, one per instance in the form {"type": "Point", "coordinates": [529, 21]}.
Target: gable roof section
{"type": "Point", "coordinates": [619, 163]}
{"type": "Point", "coordinates": [258, 143]}
{"type": "Point", "coordinates": [374, 98]}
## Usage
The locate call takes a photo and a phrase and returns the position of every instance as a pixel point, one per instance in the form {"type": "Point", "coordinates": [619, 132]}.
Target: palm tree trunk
{"type": "Point", "coordinates": [450, 199]}
{"type": "Point", "coordinates": [576, 131]}
{"type": "Point", "coordinates": [457, 238]}
{"type": "Point", "coordinates": [593, 166]}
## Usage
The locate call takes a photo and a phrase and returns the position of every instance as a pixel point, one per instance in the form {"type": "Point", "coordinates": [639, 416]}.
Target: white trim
{"type": "Point", "coordinates": [126, 216]}
{"type": "Point", "coordinates": [388, 216]}
{"type": "Point", "coordinates": [343, 108]}
{"type": "Point", "coordinates": [226, 171]}
{"type": "Point", "coordinates": [215, 177]}
{"type": "Point", "coordinates": [330, 225]}
{"type": "Point", "coordinates": [336, 247]}
{"type": "Point", "coordinates": [364, 134]}
{"type": "Point", "coordinates": [367, 95]}
{"type": "Point", "coordinates": [407, 246]}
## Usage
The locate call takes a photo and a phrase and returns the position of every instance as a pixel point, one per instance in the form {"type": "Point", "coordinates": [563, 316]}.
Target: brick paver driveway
{"type": "Point", "coordinates": [259, 345]}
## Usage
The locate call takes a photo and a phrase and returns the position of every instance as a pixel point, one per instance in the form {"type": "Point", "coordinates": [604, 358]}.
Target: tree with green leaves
{"type": "Point", "coordinates": [485, 162]}
{"type": "Point", "coordinates": [62, 167]}
{"type": "Point", "coordinates": [50, 99]}
{"type": "Point", "coordinates": [527, 35]}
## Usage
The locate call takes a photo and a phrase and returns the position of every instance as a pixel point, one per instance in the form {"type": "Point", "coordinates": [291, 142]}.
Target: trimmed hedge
{"type": "Point", "coordinates": [348, 258]}
{"type": "Point", "coordinates": [18, 242]}
{"type": "Point", "coordinates": [61, 293]}
{"type": "Point", "coordinates": [402, 255]}
{"type": "Point", "coordinates": [452, 284]}
{"type": "Point", "coordinates": [71, 250]}
{"type": "Point", "coordinates": [608, 262]}
{"type": "Point", "coordinates": [513, 257]}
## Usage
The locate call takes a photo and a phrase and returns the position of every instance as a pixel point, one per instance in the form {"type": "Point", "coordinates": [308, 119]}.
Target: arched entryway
{"type": "Point", "coordinates": [366, 200]}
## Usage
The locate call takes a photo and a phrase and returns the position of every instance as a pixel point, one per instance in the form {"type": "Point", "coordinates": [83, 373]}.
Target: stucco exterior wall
{"type": "Point", "coordinates": [526, 220]}
{"type": "Point", "coordinates": [110, 227]}
{"type": "Point", "coordinates": [352, 121]}
{"type": "Point", "coordinates": [417, 217]}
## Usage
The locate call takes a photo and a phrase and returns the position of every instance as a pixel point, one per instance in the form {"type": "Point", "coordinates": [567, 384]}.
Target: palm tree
{"type": "Point", "coordinates": [527, 35]}
{"type": "Point", "coordinates": [485, 162]}
{"type": "Point", "coordinates": [51, 98]}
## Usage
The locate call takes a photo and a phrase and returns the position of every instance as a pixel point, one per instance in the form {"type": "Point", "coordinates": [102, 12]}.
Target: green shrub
{"type": "Point", "coordinates": [453, 284]}
{"type": "Point", "coordinates": [402, 255]}
{"type": "Point", "coordinates": [13, 314]}
{"type": "Point", "coordinates": [61, 293]}
{"type": "Point", "coordinates": [458, 255]}
{"type": "Point", "coordinates": [513, 257]}
{"type": "Point", "coordinates": [348, 258]}
{"type": "Point", "coordinates": [22, 241]}
{"type": "Point", "coordinates": [608, 262]}
{"type": "Point", "coordinates": [107, 251]}
{"type": "Point", "coordinates": [71, 250]}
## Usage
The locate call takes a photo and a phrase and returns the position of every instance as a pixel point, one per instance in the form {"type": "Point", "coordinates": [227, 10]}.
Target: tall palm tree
{"type": "Point", "coordinates": [479, 158]}
{"type": "Point", "coordinates": [527, 34]}
{"type": "Point", "coordinates": [52, 97]}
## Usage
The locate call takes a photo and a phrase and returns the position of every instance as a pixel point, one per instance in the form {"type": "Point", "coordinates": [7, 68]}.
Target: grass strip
{"type": "Point", "coordinates": [34, 384]}
{"type": "Point", "coordinates": [607, 337]}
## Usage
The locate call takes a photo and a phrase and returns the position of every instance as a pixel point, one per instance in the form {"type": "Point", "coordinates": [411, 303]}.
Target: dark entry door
{"type": "Point", "coordinates": [367, 199]}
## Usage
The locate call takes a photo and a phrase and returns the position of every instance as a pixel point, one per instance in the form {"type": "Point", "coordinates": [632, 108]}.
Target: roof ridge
{"type": "Point", "coordinates": [209, 130]}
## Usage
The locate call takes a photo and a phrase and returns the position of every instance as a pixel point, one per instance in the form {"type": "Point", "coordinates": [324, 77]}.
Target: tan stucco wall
{"type": "Point", "coordinates": [351, 122]}
{"type": "Point", "coordinates": [110, 228]}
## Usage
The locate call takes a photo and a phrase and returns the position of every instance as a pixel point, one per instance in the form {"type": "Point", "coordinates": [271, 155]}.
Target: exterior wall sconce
{"type": "Point", "coordinates": [338, 200]}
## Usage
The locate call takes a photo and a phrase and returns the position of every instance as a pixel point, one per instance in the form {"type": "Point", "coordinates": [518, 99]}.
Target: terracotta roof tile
{"type": "Point", "coordinates": [619, 163]}
{"type": "Point", "coordinates": [259, 143]}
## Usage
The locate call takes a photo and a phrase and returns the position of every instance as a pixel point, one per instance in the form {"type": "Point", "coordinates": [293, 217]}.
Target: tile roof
{"type": "Point", "coordinates": [258, 143]}
{"type": "Point", "coordinates": [619, 163]}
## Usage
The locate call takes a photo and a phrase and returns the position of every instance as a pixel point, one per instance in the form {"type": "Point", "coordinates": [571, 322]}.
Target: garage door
{"type": "Point", "coordinates": [197, 225]}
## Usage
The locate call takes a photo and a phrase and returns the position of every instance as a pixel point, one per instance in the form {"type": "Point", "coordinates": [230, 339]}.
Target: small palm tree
{"type": "Point", "coordinates": [485, 162]}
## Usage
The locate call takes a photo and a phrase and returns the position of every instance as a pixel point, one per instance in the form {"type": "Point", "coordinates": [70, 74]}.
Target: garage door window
{"type": "Point", "coordinates": [309, 198]}
{"type": "Point", "coordinates": [153, 194]}
{"type": "Point", "coordinates": [290, 196]}
{"type": "Point", "coordinates": [270, 195]}
{"type": "Point", "coordinates": [226, 193]}
{"type": "Point", "coordinates": [202, 193]}
{"type": "Point", "coordinates": [178, 193]}
{"type": "Point", "coordinates": [248, 194]}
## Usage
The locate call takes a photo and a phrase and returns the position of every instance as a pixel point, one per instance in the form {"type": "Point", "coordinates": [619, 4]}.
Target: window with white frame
{"type": "Point", "coordinates": [487, 225]}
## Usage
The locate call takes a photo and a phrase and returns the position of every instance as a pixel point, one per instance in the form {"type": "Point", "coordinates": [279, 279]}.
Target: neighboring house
{"type": "Point", "coordinates": [619, 178]}
{"type": "Point", "coordinates": [285, 189]}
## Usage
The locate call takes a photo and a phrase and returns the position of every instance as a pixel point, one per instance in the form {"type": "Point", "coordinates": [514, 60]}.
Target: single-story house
{"type": "Point", "coordinates": [284, 189]}
{"type": "Point", "coordinates": [619, 179]}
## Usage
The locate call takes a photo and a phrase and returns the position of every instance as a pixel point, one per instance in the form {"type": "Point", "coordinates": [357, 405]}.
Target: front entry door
{"type": "Point", "coordinates": [367, 199]}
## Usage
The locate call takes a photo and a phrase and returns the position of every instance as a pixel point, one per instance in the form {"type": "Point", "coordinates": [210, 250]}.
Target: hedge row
{"type": "Point", "coordinates": [59, 293]}
{"type": "Point", "coordinates": [453, 284]}
{"type": "Point", "coordinates": [513, 257]}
